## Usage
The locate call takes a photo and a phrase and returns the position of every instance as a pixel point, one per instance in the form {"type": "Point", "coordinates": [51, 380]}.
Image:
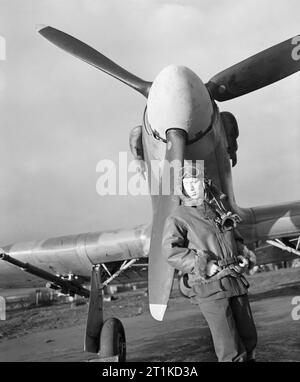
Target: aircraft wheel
{"type": "Point", "coordinates": [113, 340]}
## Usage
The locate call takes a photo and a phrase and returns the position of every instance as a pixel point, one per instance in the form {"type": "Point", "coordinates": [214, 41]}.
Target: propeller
{"type": "Point", "coordinates": [161, 273]}
{"type": "Point", "coordinates": [256, 72]}
{"type": "Point", "coordinates": [88, 54]}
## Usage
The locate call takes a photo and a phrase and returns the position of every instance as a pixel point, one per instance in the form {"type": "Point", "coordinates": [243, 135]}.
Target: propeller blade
{"type": "Point", "coordinates": [262, 69]}
{"type": "Point", "coordinates": [160, 273]}
{"type": "Point", "coordinates": [84, 52]}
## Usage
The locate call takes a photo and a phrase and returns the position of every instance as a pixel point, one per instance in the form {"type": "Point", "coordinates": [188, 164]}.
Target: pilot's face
{"type": "Point", "coordinates": [194, 187]}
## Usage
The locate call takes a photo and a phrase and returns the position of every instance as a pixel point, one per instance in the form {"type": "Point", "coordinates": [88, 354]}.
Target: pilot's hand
{"type": "Point", "coordinates": [243, 262]}
{"type": "Point", "coordinates": [212, 268]}
{"type": "Point", "coordinates": [246, 254]}
{"type": "Point", "coordinates": [240, 268]}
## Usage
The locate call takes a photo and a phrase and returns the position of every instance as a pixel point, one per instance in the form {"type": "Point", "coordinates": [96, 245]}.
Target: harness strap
{"type": "Point", "coordinates": [224, 263]}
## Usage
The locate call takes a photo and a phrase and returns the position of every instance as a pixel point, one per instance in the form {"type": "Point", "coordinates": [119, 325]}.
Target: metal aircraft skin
{"type": "Point", "coordinates": [181, 121]}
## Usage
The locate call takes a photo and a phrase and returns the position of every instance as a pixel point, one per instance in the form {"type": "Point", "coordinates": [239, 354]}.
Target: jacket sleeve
{"type": "Point", "coordinates": [175, 250]}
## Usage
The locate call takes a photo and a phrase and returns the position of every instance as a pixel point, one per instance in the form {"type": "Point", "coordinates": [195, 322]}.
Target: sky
{"type": "Point", "coordinates": [60, 116]}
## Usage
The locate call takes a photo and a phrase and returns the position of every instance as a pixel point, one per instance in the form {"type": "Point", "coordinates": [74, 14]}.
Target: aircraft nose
{"type": "Point", "coordinates": [179, 99]}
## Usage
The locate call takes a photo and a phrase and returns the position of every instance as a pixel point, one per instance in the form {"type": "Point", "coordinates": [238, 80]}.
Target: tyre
{"type": "Point", "coordinates": [113, 340]}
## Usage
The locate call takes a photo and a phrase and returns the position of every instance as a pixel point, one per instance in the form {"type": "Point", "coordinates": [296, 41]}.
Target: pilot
{"type": "Point", "coordinates": [215, 260]}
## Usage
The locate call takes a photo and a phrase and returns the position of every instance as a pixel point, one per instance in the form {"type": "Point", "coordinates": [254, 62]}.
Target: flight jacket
{"type": "Point", "coordinates": [191, 238]}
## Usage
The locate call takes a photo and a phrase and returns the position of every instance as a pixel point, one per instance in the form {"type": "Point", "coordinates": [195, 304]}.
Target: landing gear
{"type": "Point", "coordinates": [112, 339]}
{"type": "Point", "coordinates": [106, 339]}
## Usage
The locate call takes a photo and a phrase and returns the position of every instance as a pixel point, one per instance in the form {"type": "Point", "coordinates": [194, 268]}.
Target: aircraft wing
{"type": "Point", "coordinates": [270, 254]}
{"type": "Point", "coordinates": [72, 255]}
{"type": "Point", "coordinates": [271, 221]}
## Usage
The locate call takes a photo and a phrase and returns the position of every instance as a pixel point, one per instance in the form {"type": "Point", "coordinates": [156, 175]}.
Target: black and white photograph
{"type": "Point", "coordinates": [149, 183]}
